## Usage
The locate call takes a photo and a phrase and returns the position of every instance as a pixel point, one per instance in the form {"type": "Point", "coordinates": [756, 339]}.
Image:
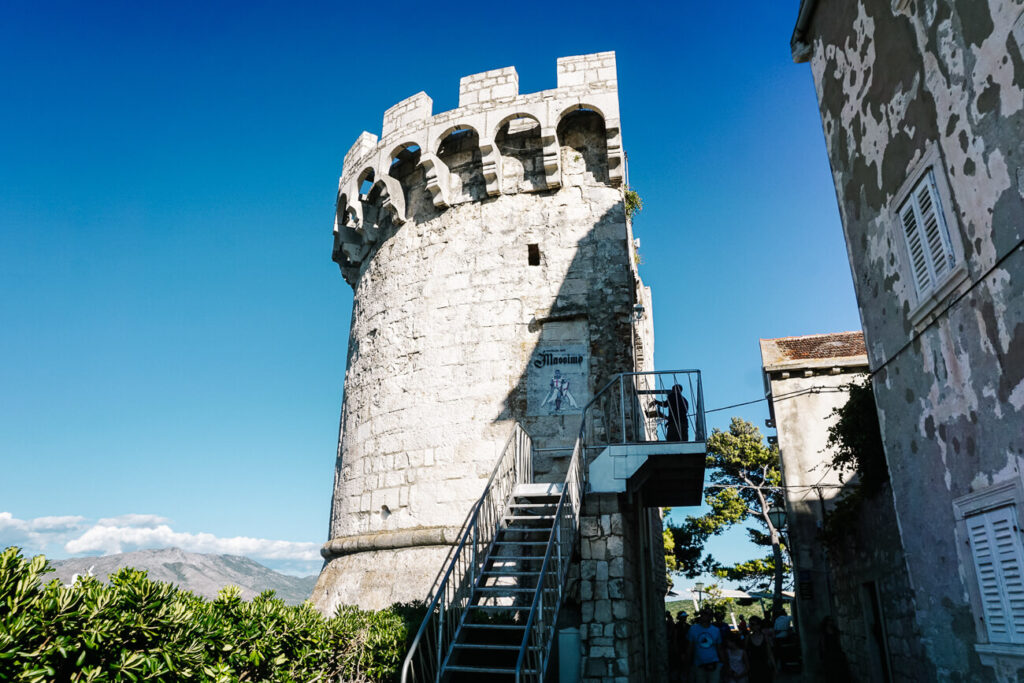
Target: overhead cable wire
{"type": "Point", "coordinates": [917, 335]}
{"type": "Point", "coordinates": [782, 397]}
{"type": "Point", "coordinates": [792, 487]}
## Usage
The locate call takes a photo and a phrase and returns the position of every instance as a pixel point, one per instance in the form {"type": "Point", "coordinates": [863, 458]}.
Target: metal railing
{"type": "Point", "coordinates": [640, 407]}
{"type": "Point", "coordinates": [547, 601]}
{"type": "Point", "coordinates": [453, 588]}
{"type": "Point", "coordinates": [635, 407]}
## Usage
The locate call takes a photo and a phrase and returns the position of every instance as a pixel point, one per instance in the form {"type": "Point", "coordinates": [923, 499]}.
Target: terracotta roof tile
{"type": "Point", "coordinates": [813, 347]}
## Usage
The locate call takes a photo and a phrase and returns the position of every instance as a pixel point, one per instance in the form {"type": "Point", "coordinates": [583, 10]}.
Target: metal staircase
{"type": "Point", "coordinates": [494, 607]}
{"type": "Point", "coordinates": [490, 638]}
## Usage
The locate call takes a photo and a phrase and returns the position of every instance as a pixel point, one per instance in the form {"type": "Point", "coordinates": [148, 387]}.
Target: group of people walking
{"type": "Point", "coordinates": [709, 651]}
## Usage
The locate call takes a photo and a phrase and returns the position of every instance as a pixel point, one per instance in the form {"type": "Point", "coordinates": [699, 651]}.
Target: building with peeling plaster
{"type": "Point", "coordinates": [922, 107]}
{"type": "Point", "coordinates": [859, 580]}
{"type": "Point", "coordinates": [495, 283]}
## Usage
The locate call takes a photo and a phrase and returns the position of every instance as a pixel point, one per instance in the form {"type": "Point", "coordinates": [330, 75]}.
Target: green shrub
{"type": "Point", "coordinates": [634, 204]}
{"type": "Point", "coordinates": [134, 629]}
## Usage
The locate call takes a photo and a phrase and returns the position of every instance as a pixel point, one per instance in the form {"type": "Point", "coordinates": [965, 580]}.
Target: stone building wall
{"type": "Point", "coordinates": [622, 600]}
{"type": "Point", "coordinates": [807, 378]}
{"type": "Point", "coordinates": [484, 244]}
{"type": "Point", "coordinates": [906, 87]}
{"type": "Point", "coordinates": [873, 601]}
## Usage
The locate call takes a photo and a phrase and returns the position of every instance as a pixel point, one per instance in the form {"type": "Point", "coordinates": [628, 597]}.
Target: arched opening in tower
{"type": "Point", "coordinates": [522, 155]}
{"type": "Point", "coordinates": [583, 141]}
{"type": "Point", "coordinates": [459, 150]}
{"type": "Point", "coordinates": [406, 169]}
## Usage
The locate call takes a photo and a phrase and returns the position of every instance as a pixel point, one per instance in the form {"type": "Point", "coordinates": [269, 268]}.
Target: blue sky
{"type": "Point", "coordinates": [173, 333]}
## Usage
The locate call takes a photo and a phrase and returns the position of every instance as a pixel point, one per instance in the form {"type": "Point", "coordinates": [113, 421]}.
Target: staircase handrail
{"type": "Point", "coordinates": [547, 600]}
{"type": "Point", "coordinates": [452, 589]}
{"type": "Point", "coordinates": [632, 421]}
{"type": "Point", "coordinates": [540, 624]}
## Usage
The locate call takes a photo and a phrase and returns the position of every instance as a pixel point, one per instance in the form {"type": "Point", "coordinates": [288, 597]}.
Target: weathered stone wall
{"type": "Point", "coordinates": [444, 322]}
{"type": "Point", "coordinates": [898, 83]}
{"type": "Point", "coordinates": [477, 240]}
{"type": "Point", "coordinates": [622, 592]}
{"type": "Point", "coordinates": [803, 396]}
{"type": "Point", "coordinates": [471, 238]}
{"type": "Point", "coordinates": [867, 562]}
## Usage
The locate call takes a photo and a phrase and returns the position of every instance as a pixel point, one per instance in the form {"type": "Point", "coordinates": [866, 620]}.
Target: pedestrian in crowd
{"type": "Point", "coordinates": [759, 652]}
{"type": "Point", "coordinates": [737, 665]}
{"type": "Point", "coordinates": [831, 652]}
{"type": "Point", "coordinates": [705, 652]}
{"type": "Point", "coordinates": [682, 645]}
{"type": "Point", "coordinates": [721, 623]}
{"type": "Point", "coordinates": [743, 628]}
{"type": "Point", "coordinates": [782, 629]}
{"type": "Point", "coordinates": [783, 623]}
{"type": "Point", "coordinates": [671, 645]}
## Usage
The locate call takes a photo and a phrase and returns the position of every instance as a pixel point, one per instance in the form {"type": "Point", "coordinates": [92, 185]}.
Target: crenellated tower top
{"type": "Point", "coordinates": [372, 196]}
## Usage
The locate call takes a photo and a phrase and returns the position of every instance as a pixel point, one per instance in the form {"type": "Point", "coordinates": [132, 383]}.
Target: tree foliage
{"type": "Point", "coordinates": [855, 440]}
{"type": "Point", "coordinates": [746, 476]}
{"type": "Point", "coordinates": [136, 629]}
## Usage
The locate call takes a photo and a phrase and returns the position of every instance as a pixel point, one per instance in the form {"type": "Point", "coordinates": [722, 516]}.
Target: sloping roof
{"type": "Point", "coordinates": [842, 348]}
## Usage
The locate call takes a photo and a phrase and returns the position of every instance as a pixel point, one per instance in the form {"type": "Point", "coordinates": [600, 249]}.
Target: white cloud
{"type": "Point", "coordinates": [134, 519]}
{"type": "Point", "coordinates": [35, 536]}
{"type": "Point", "coordinates": [12, 528]}
{"type": "Point", "coordinates": [58, 536]}
{"type": "Point", "coordinates": [108, 539]}
{"type": "Point", "coordinates": [55, 524]}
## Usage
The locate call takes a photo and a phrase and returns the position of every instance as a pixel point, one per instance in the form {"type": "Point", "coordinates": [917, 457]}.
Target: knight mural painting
{"type": "Point", "coordinates": [495, 283]}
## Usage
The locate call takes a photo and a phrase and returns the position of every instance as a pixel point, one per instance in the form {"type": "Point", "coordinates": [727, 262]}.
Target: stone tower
{"type": "Point", "coordinates": [488, 247]}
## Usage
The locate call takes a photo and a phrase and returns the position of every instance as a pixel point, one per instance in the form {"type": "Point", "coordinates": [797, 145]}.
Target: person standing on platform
{"type": "Point", "coordinates": [678, 427]}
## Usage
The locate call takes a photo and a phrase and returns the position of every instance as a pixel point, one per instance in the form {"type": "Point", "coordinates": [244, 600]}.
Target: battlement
{"type": "Point", "coordinates": [596, 70]}
{"type": "Point", "coordinates": [496, 85]}
{"type": "Point", "coordinates": [491, 111]}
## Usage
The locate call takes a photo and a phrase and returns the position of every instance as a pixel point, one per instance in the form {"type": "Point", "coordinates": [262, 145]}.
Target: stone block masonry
{"type": "Point", "coordinates": [597, 70]}
{"type": "Point", "coordinates": [416, 108]}
{"type": "Point", "coordinates": [500, 84]}
{"type": "Point", "coordinates": [476, 241]}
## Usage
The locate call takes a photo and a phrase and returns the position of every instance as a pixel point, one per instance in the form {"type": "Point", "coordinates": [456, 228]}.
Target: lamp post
{"type": "Point", "coordinates": [699, 587]}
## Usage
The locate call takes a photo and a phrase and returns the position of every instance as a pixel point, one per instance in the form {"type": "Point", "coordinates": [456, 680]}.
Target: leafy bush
{"type": "Point", "coordinates": [856, 443]}
{"type": "Point", "coordinates": [634, 204]}
{"type": "Point", "coordinates": [135, 629]}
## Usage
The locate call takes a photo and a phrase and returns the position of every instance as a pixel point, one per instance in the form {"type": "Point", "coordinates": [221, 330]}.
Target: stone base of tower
{"type": "Point", "coordinates": [375, 579]}
{"type": "Point", "coordinates": [621, 592]}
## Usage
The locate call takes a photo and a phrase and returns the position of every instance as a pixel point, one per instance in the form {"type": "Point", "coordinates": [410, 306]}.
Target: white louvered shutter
{"type": "Point", "coordinates": [934, 226]}
{"type": "Point", "coordinates": [931, 254]}
{"type": "Point", "coordinates": [996, 547]}
{"type": "Point", "coordinates": [918, 257]}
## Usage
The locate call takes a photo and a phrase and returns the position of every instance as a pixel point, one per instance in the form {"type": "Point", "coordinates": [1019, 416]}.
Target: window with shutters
{"type": "Point", "coordinates": [924, 228]}
{"type": "Point", "coordinates": [992, 563]}
{"type": "Point", "coordinates": [930, 240]}
{"type": "Point", "coordinates": [995, 542]}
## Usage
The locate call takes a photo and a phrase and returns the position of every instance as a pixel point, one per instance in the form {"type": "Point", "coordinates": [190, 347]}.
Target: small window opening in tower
{"type": "Point", "coordinates": [385, 511]}
{"type": "Point", "coordinates": [406, 153]}
{"type": "Point", "coordinates": [533, 254]}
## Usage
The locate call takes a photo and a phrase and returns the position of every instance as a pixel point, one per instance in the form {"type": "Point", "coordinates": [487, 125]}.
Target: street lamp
{"type": "Point", "coordinates": [699, 587]}
{"type": "Point", "coordinates": [777, 516]}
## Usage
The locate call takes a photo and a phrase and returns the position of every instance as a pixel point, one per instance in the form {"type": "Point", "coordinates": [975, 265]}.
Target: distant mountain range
{"type": "Point", "coordinates": [201, 574]}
